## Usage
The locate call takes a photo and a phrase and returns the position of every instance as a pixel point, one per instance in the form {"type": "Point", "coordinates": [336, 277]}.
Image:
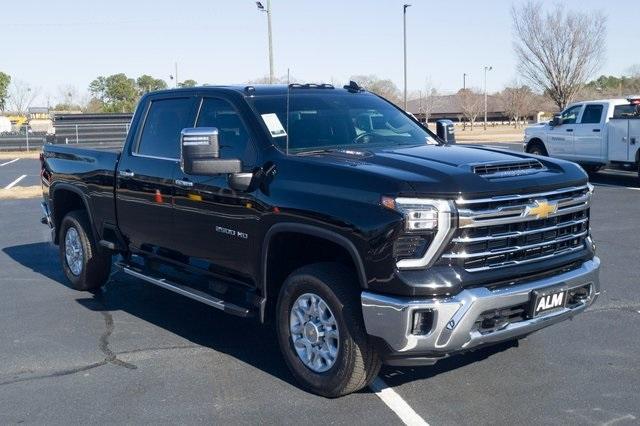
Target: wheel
{"type": "Point", "coordinates": [537, 149]}
{"type": "Point", "coordinates": [591, 168]}
{"type": "Point", "coordinates": [86, 267]}
{"type": "Point", "coordinates": [321, 332]}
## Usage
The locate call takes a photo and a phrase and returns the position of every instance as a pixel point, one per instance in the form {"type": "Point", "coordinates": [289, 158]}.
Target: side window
{"type": "Point", "coordinates": [165, 120]}
{"type": "Point", "coordinates": [592, 114]}
{"type": "Point", "coordinates": [625, 111]}
{"type": "Point", "coordinates": [570, 115]}
{"type": "Point", "coordinates": [233, 136]}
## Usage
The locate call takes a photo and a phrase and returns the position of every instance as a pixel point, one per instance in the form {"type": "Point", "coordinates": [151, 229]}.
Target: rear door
{"type": "Point", "coordinates": [147, 172]}
{"type": "Point", "coordinates": [589, 134]}
{"type": "Point", "coordinates": [560, 138]}
{"type": "Point", "coordinates": [217, 228]}
{"type": "Point", "coordinates": [619, 126]}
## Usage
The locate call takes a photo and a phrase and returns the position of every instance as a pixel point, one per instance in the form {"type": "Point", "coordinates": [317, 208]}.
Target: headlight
{"type": "Point", "coordinates": [424, 216]}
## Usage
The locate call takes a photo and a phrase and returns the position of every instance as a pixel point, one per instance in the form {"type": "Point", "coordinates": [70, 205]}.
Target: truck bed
{"type": "Point", "coordinates": [89, 173]}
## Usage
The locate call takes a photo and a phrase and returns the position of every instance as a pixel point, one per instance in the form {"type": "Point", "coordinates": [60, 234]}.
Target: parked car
{"type": "Point", "coordinates": [334, 215]}
{"type": "Point", "coordinates": [593, 133]}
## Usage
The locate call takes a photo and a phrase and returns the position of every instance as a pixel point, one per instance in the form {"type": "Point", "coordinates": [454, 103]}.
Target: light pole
{"type": "Point", "coordinates": [404, 27]}
{"type": "Point", "coordinates": [464, 81]}
{"type": "Point", "coordinates": [485, 95]}
{"type": "Point", "coordinates": [261, 8]}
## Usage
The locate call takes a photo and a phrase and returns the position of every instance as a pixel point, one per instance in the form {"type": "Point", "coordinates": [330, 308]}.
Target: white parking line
{"type": "Point", "coordinates": [396, 403]}
{"type": "Point", "coordinates": [15, 182]}
{"type": "Point", "coordinates": [9, 162]}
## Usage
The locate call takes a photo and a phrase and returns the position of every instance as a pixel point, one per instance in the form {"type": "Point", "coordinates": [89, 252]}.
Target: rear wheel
{"type": "Point", "coordinates": [591, 168]}
{"type": "Point", "coordinates": [85, 266]}
{"type": "Point", "coordinates": [321, 332]}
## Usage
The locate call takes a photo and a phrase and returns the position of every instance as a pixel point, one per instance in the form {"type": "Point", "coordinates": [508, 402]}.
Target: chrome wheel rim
{"type": "Point", "coordinates": [314, 332]}
{"type": "Point", "coordinates": [73, 251]}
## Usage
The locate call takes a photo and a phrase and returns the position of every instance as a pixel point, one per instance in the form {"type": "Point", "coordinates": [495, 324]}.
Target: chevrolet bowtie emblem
{"type": "Point", "coordinates": [541, 209]}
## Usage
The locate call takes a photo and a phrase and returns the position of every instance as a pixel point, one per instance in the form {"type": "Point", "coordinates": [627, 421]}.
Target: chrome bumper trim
{"type": "Point", "coordinates": [390, 317]}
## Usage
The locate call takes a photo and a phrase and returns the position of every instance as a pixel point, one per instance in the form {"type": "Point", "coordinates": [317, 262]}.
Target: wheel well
{"type": "Point", "coordinates": [536, 141]}
{"type": "Point", "coordinates": [65, 201]}
{"type": "Point", "coordinates": [289, 251]}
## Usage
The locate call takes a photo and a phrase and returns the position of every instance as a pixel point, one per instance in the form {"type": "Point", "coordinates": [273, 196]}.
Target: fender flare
{"type": "Point", "coordinates": [314, 231]}
{"type": "Point", "coordinates": [68, 187]}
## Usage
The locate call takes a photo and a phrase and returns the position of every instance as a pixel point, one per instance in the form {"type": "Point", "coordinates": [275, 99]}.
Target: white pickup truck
{"type": "Point", "coordinates": [592, 133]}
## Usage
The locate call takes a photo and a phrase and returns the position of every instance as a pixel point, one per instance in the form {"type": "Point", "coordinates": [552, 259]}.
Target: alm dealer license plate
{"type": "Point", "coordinates": [547, 300]}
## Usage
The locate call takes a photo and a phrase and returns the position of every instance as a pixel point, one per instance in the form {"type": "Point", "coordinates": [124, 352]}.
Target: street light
{"type": "Point", "coordinates": [485, 95]}
{"type": "Point", "coordinates": [404, 27]}
{"type": "Point", "coordinates": [464, 81]}
{"type": "Point", "coordinates": [261, 8]}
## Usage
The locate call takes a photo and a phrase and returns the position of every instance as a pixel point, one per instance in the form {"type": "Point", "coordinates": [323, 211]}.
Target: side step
{"type": "Point", "coordinates": [189, 292]}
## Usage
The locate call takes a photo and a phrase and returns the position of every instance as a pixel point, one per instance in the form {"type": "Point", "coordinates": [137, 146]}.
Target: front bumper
{"type": "Point", "coordinates": [455, 319]}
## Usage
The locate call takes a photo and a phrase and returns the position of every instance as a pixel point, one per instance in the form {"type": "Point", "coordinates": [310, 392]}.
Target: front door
{"type": "Point", "coordinates": [589, 135]}
{"type": "Point", "coordinates": [216, 227]}
{"type": "Point", "coordinates": [146, 174]}
{"type": "Point", "coordinates": [560, 138]}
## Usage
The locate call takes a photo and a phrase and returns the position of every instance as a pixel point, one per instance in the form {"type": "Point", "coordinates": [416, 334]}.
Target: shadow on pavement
{"type": "Point", "coordinates": [615, 178]}
{"type": "Point", "coordinates": [244, 339]}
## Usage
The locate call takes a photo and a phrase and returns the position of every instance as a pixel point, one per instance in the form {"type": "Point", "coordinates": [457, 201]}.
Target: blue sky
{"type": "Point", "coordinates": [54, 43]}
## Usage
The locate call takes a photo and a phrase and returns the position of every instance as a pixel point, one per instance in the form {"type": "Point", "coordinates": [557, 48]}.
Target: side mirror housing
{"type": "Point", "coordinates": [556, 121]}
{"type": "Point", "coordinates": [200, 153]}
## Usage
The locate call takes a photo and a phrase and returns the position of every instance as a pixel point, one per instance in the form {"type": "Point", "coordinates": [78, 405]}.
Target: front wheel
{"type": "Point", "coordinates": [537, 149]}
{"type": "Point", "coordinates": [321, 332]}
{"type": "Point", "coordinates": [86, 267]}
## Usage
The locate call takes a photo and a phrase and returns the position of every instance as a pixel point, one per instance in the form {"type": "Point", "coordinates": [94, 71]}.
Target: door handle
{"type": "Point", "coordinates": [184, 183]}
{"type": "Point", "coordinates": [569, 130]}
{"type": "Point", "coordinates": [126, 173]}
{"type": "Point", "coordinates": [596, 130]}
{"type": "Point", "coordinates": [633, 141]}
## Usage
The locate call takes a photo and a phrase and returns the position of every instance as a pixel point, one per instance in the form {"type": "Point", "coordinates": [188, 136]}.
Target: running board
{"type": "Point", "coordinates": [191, 293]}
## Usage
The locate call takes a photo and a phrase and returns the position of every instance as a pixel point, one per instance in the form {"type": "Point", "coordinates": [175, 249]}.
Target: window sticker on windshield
{"type": "Point", "coordinates": [274, 125]}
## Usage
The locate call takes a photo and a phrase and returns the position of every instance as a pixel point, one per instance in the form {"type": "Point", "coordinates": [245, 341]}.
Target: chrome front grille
{"type": "Point", "coordinates": [510, 230]}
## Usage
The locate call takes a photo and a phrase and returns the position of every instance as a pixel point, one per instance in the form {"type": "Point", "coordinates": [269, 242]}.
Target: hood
{"type": "Point", "coordinates": [453, 170]}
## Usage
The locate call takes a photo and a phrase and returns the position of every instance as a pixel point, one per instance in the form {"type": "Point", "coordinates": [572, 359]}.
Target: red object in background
{"type": "Point", "coordinates": [158, 196]}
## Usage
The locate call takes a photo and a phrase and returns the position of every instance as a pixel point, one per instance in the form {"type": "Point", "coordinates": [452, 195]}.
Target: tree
{"type": "Point", "coordinates": [518, 101]}
{"type": "Point", "coordinates": [117, 92]}
{"type": "Point", "coordinates": [558, 50]}
{"type": "Point", "coordinates": [383, 87]}
{"type": "Point", "coordinates": [20, 97]}
{"type": "Point", "coordinates": [428, 100]}
{"type": "Point", "coordinates": [5, 80]}
{"type": "Point", "coordinates": [188, 83]}
{"type": "Point", "coordinates": [147, 84]}
{"type": "Point", "coordinates": [471, 103]}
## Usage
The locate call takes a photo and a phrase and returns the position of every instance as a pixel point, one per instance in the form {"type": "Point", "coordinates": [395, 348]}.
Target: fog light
{"type": "Point", "coordinates": [422, 323]}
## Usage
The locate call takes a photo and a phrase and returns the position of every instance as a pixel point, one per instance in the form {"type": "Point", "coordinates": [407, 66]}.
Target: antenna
{"type": "Point", "coordinates": [287, 112]}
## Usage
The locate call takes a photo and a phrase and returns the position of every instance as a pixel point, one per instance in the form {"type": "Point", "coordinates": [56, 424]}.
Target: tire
{"type": "Point", "coordinates": [89, 269]}
{"type": "Point", "coordinates": [591, 169]}
{"type": "Point", "coordinates": [356, 361]}
{"type": "Point", "coordinates": [537, 149]}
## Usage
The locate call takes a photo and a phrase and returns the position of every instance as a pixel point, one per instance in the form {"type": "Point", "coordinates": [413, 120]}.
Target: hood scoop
{"type": "Point", "coordinates": [508, 168]}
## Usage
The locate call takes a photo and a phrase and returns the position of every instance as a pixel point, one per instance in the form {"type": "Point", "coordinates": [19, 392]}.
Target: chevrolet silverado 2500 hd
{"type": "Point", "coordinates": [593, 133]}
{"type": "Point", "coordinates": [333, 214]}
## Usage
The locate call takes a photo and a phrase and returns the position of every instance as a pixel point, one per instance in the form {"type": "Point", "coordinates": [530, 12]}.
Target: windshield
{"type": "Point", "coordinates": [335, 120]}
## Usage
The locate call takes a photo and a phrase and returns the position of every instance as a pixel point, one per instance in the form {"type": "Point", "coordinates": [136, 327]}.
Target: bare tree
{"type": "Point", "coordinates": [471, 103]}
{"type": "Point", "coordinates": [518, 101]}
{"type": "Point", "coordinates": [383, 87]}
{"type": "Point", "coordinates": [558, 50]}
{"type": "Point", "coordinates": [21, 95]}
{"type": "Point", "coordinates": [428, 100]}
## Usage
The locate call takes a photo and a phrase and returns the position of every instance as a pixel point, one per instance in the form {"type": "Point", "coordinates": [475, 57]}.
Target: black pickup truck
{"type": "Point", "coordinates": [333, 214]}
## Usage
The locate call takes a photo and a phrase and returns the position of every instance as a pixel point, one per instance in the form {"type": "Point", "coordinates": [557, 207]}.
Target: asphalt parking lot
{"type": "Point", "coordinates": [135, 353]}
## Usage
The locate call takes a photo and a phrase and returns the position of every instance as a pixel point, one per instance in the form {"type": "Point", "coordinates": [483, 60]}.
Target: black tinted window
{"type": "Point", "coordinates": [233, 136]}
{"type": "Point", "coordinates": [592, 114]}
{"type": "Point", "coordinates": [165, 120]}
{"type": "Point", "coordinates": [626, 111]}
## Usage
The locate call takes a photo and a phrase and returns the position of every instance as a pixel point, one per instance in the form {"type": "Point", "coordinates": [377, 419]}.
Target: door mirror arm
{"type": "Point", "coordinates": [260, 177]}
